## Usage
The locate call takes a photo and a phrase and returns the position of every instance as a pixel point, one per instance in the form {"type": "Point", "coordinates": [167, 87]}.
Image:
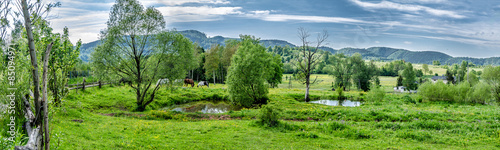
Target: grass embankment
{"type": "Point", "coordinates": [103, 119]}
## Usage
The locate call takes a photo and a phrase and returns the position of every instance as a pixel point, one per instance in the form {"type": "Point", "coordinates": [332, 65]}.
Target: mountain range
{"type": "Point", "coordinates": [373, 53]}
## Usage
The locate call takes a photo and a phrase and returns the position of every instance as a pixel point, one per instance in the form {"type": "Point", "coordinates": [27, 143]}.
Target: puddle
{"type": "Point", "coordinates": [347, 103]}
{"type": "Point", "coordinates": [205, 107]}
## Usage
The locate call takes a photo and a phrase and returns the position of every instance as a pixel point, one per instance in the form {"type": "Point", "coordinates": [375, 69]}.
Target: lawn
{"type": "Point", "coordinates": [104, 119]}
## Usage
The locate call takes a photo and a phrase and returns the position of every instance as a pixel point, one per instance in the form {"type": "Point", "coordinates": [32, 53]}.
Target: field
{"type": "Point", "coordinates": [103, 119]}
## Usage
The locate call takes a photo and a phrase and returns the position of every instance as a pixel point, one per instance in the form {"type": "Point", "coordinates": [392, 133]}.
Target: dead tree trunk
{"type": "Point", "coordinates": [44, 98]}
{"type": "Point", "coordinates": [35, 120]}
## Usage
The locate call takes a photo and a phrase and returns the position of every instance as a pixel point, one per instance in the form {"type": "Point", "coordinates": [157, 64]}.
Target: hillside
{"type": "Point", "coordinates": [372, 53]}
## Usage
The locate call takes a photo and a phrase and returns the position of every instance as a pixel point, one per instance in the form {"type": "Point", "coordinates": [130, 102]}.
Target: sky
{"type": "Point", "coordinates": [460, 28]}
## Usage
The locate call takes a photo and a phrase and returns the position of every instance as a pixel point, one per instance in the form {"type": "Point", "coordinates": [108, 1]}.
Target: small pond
{"type": "Point", "coordinates": [347, 103]}
{"type": "Point", "coordinates": [205, 107]}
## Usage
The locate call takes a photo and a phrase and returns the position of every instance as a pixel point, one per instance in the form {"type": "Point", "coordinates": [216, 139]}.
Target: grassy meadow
{"type": "Point", "coordinates": [104, 119]}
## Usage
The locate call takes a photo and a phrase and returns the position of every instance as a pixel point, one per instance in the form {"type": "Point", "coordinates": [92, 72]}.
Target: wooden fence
{"type": "Point", "coordinates": [84, 85]}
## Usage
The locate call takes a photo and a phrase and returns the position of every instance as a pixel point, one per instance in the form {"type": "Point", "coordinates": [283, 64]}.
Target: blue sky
{"type": "Point", "coordinates": [467, 28]}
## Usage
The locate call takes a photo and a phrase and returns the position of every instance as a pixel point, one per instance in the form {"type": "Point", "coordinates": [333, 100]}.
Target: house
{"type": "Point", "coordinates": [399, 89]}
{"type": "Point", "coordinates": [402, 89]}
{"type": "Point", "coordinates": [436, 78]}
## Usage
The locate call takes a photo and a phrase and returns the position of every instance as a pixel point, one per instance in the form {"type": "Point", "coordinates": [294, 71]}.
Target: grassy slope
{"type": "Point", "coordinates": [374, 125]}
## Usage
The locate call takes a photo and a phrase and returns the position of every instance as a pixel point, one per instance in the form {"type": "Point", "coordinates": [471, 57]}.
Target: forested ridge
{"type": "Point", "coordinates": [372, 53]}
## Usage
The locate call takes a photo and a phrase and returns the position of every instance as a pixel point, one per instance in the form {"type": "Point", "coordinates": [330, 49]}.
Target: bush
{"type": "Point", "coordinates": [481, 93]}
{"type": "Point", "coordinates": [461, 91]}
{"type": "Point", "coordinates": [307, 135]}
{"type": "Point", "coordinates": [436, 91]}
{"type": "Point", "coordinates": [334, 126]}
{"type": "Point", "coordinates": [376, 94]}
{"type": "Point", "coordinates": [407, 99]}
{"type": "Point", "coordinates": [270, 115]}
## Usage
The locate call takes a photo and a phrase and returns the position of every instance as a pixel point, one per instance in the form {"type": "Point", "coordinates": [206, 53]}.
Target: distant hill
{"type": "Point", "coordinates": [373, 53]}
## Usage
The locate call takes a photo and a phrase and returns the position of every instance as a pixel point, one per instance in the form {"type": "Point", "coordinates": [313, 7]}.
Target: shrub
{"type": "Point", "coordinates": [481, 93]}
{"type": "Point", "coordinates": [270, 115]}
{"type": "Point", "coordinates": [461, 91]}
{"type": "Point", "coordinates": [334, 126]}
{"type": "Point", "coordinates": [408, 99]}
{"type": "Point", "coordinates": [376, 94]}
{"type": "Point", "coordinates": [436, 91]}
{"type": "Point", "coordinates": [307, 135]}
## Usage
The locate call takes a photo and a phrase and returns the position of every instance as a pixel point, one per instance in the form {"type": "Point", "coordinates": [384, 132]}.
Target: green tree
{"type": "Point", "coordinates": [212, 61]}
{"type": "Point", "coordinates": [425, 68]}
{"type": "Point", "coordinates": [409, 77]}
{"type": "Point", "coordinates": [64, 58]}
{"type": "Point", "coordinates": [134, 46]}
{"type": "Point", "coordinates": [436, 63]}
{"type": "Point", "coordinates": [400, 81]}
{"type": "Point", "coordinates": [248, 73]}
{"type": "Point", "coordinates": [341, 70]}
{"type": "Point", "coordinates": [449, 77]}
{"type": "Point", "coordinates": [276, 75]}
{"type": "Point", "coordinates": [362, 73]}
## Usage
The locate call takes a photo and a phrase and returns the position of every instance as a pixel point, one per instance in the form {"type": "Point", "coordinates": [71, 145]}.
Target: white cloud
{"type": "Point", "coordinates": [378, 42]}
{"type": "Point", "coordinates": [266, 16]}
{"type": "Point", "coordinates": [407, 42]}
{"type": "Point", "coordinates": [192, 14]}
{"type": "Point", "coordinates": [416, 9]}
{"type": "Point", "coordinates": [180, 2]}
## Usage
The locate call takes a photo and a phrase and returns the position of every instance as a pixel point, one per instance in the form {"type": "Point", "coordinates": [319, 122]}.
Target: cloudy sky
{"type": "Point", "coordinates": [469, 28]}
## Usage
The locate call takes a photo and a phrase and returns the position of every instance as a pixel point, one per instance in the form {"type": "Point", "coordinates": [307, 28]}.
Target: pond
{"type": "Point", "coordinates": [205, 107]}
{"type": "Point", "coordinates": [347, 103]}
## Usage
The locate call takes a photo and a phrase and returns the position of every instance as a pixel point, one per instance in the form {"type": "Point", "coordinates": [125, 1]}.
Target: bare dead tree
{"type": "Point", "coordinates": [40, 118]}
{"type": "Point", "coordinates": [308, 56]}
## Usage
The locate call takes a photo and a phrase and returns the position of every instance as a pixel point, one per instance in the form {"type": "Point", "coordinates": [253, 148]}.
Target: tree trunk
{"type": "Point", "coordinates": [44, 98]}
{"type": "Point", "coordinates": [214, 76]}
{"type": "Point", "coordinates": [307, 87]}
{"type": "Point", "coordinates": [35, 139]}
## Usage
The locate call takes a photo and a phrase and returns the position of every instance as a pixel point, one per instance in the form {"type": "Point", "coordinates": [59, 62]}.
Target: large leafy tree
{"type": "Point", "coordinates": [134, 46]}
{"type": "Point", "coordinates": [341, 70]}
{"type": "Point", "coordinates": [248, 73]}
{"type": "Point", "coordinates": [64, 58]}
{"type": "Point", "coordinates": [362, 72]}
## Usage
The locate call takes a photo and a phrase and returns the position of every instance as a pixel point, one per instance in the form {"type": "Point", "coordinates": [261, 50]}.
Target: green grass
{"type": "Point", "coordinates": [104, 119]}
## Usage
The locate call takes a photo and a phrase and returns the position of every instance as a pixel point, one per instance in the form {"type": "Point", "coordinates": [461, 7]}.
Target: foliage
{"type": "Point", "coordinates": [425, 68]}
{"type": "Point", "coordinates": [481, 93]}
{"type": "Point", "coordinates": [134, 46]}
{"type": "Point", "coordinates": [436, 63]}
{"type": "Point", "coordinates": [362, 72]}
{"type": "Point", "coordinates": [270, 115]}
{"type": "Point", "coordinates": [248, 73]}
{"type": "Point", "coordinates": [212, 61]}
{"type": "Point", "coordinates": [491, 76]}
{"type": "Point", "coordinates": [409, 77]}
{"type": "Point", "coordinates": [393, 68]}
{"type": "Point", "coordinates": [63, 58]}
{"type": "Point", "coordinates": [276, 75]}
{"type": "Point", "coordinates": [376, 94]}
{"type": "Point", "coordinates": [341, 70]}
{"type": "Point", "coordinates": [400, 81]}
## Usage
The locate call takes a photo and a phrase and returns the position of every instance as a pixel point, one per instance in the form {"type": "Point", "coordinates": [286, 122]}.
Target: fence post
{"type": "Point", "coordinates": [99, 83]}
{"type": "Point", "coordinates": [83, 88]}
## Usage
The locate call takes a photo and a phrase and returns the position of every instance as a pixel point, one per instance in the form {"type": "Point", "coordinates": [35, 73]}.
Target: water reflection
{"type": "Point", "coordinates": [207, 107]}
{"type": "Point", "coordinates": [347, 103]}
